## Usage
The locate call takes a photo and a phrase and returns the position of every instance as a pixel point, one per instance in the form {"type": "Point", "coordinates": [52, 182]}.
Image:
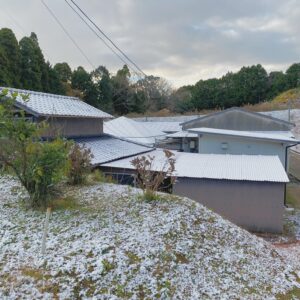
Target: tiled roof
{"type": "Point", "coordinates": [217, 166]}
{"type": "Point", "coordinates": [44, 104]}
{"type": "Point", "coordinates": [106, 148]}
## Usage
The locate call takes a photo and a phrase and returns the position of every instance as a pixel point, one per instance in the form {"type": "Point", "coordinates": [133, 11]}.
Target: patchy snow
{"type": "Point", "coordinates": [117, 246]}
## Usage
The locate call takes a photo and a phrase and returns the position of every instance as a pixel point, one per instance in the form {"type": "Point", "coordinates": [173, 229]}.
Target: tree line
{"type": "Point", "coordinates": [22, 65]}
{"type": "Point", "coordinates": [250, 85]}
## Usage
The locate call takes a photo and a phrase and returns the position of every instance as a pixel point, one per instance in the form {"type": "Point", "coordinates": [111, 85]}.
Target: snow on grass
{"type": "Point", "coordinates": [113, 245]}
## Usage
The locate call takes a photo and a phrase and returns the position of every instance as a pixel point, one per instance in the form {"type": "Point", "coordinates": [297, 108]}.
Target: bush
{"type": "Point", "coordinates": [151, 176]}
{"type": "Point", "coordinates": [38, 165]}
{"type": "Point", "coordinates": [80, 164]}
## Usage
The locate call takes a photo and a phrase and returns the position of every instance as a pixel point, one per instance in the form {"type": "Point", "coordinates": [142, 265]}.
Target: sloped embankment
{"type": "Point", "coordinates": [116, 246]}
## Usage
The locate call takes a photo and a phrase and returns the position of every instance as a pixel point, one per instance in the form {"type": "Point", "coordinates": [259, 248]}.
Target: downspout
{"type": "Point", "coordinates": [286, 166]}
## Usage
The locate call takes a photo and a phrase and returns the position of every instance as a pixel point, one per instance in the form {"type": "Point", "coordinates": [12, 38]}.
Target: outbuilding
{"type": "Point", "coordinates": [248, 190]}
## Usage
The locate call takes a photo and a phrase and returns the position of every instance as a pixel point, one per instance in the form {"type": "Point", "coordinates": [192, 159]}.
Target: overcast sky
{"type": "Point", "coordinates": [180, 40]}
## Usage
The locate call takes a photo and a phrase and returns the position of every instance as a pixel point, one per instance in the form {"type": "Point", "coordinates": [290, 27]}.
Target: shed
{"type": "Point", "coordinates": [239, 119]}
{"type": "Point", "coordinates": [249, 190]}
{"type": "Point", "coordinates": [67, 116]}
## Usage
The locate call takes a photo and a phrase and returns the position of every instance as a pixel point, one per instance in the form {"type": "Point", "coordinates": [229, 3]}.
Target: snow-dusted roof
{"type": "Point", "coordinates": [107, 148]}
{"type": "Point", "coordinates": [217, 166]}
{"type": "Point", "coordinates": [163, 127]}
{"type": "Point", "coordinates": [274, 136]}
{"type": "Point", "coordinates": [132, 130]}
{"type": "Point", "coordinates": [182, 134]}
{"type": "Point", "coordinates": [178, 118]}
{"type": "Point", "coordinates": [44, 104]}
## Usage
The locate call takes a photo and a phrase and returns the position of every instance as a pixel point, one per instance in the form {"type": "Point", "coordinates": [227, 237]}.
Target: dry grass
{"type": "Point", "coordinates": [294, 165]}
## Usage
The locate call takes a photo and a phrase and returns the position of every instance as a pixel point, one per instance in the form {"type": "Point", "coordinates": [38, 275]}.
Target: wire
{"type": "Point", "coordinates": [67, 33]}
{"type": "Point", "coordinates": [95, 32]}
{"type": "Point", "coordinates": [109, 39]}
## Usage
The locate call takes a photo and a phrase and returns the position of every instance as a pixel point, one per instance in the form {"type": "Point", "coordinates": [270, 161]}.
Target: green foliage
{"type": "Point", "coordinates": [38, 165]}
{"type": "Point", "coordinates": [23, 66]}
{"type": "Point", "coordinates": [10, 56]}
{"type": "Point", "coordinates": [293, 76]}
{"type": "Point", "coordinates": [64, 71]}
{"type": "Point", "coordinates": [80, 164]}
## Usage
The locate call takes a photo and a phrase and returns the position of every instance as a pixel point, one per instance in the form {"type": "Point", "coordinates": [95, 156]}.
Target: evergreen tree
{"type": "Point", "coordinates": [5, 76]}
{"type": "Point", "coordinates": [10, 57]}
{"type": "Point", "coordinates": [121, 91]}
{"type": "Point", "coordinates": [34, 71]}
{"type": "Point", "coordinates": [64, 71]}
{"type": "Point", "coordinates": [54, 82]}
{"type": "Point", "coordinates": [293, 76]}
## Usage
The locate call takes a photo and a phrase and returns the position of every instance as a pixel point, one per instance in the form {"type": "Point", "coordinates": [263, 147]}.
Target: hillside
{"type": "Point", "coordinates": [113, 245]}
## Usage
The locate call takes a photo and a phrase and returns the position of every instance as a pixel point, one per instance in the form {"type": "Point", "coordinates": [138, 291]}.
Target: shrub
{"type": "Point", "coordinates": [151, 175]}
{"type": "Point", "coordinates": [80, 164]}
{"type": "Point", "coordinates": [38, 165]}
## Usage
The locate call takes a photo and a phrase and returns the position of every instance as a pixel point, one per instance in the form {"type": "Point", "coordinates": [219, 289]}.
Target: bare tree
{"type": "Point", "coordinates": [150, 176]}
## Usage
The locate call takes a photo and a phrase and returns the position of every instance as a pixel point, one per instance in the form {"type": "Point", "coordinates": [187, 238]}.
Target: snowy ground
{"type": "Point", "coordinates": [116, 246]}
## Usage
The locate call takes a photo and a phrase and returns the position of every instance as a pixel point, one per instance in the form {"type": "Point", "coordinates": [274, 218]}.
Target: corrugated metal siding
{"type": "Point", "coordinates": [107, 148]}
{"type": "Point", "coordinates": [218, 166]}
{"type": "Point", "coordinates": [43, 104]}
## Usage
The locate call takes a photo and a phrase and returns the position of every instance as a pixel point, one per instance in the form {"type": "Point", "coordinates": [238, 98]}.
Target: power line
{"type": "Point", "coordinates": [67, 33]}
{"type": "Point", "coordinates": [99, 36]}
{"type": "Point", "coordinates": [109, 39]}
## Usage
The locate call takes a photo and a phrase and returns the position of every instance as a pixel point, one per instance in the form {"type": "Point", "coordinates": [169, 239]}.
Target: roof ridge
{"type": "Point", "coordinates": [40, 93]}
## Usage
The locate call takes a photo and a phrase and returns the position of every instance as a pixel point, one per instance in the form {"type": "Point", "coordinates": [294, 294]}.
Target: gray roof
{"type": "Point", "coordinates": [129, 129]}
{"type": "Point", "coordinates": [46, 105]}
{"type": "Point", "coordinates": [178, 118]}
{"type": "Point", "coordinates": [216, 166]}
{"type": "Point", "coordinates": [271, 136]}
{"type": "Point", "coordinates": [240, 119]}
{"type": "Point", "coordinates": [106, 148]}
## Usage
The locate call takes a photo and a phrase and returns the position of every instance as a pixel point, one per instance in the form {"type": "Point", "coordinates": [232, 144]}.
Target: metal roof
{"type": "Point", "coordinates": [179, 118]}
{"type": "Point", "coordinates": [272, 136]}
{"type": "Point", "coordinates": [106, 148]}
{"type": "Point", "coordinates": [182, 134]}
{"type": "Point", "coordinates": [163, 127]}
{"type": "Point", "coordinates": [244, 111]}
{"type": "Point", "coordinates": [217, 166]}
{"type": "Point", "coordinates": [44, 104]}
{"type": "Point", "coordinates": [132, 130]}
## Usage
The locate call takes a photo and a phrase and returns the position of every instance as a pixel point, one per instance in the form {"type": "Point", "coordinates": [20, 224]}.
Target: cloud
{"type": "Point", "coordinates": [183, 41]}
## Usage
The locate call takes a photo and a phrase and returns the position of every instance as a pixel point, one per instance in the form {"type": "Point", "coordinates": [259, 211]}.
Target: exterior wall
{"type": "Point", "coordinates": [179, 144]}
{"type": "Point", "coordinates": [212, 144]}
{"type": "Point", "coordinates": [239, 120]}
{"type": "Point", "coordinates": [256, 206]}
{"type": "Point", "coordinates": [74, 127]}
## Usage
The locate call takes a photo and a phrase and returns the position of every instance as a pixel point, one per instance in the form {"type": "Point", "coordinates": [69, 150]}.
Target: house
{"type": "Point", "coordinates": [66, 116]}
{"type": "Point", "coordinates": [239, 119]}
{"type": "Point", "coordinates": [223, 141]}
{"type": "Point", "coordinates": [249, 190]}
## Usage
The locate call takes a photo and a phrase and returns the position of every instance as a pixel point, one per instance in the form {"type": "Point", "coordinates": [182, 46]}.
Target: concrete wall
{"type": "Point", "coordinates": [74, 127]}
{"type": "Point", "coordinates": [214, 144]}
{"type": "Point", "coordinates": [256, 206]}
